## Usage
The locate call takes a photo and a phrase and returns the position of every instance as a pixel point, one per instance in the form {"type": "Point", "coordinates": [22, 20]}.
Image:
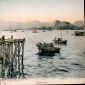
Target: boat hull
{"type": "Point", "coordinates": [79, 33]}
{"type": "Point", "coordinates": [47, 50]}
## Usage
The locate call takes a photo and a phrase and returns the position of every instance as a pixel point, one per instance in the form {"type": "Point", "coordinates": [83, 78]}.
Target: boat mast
{"type": "Point", "coordinates": [61, 33]}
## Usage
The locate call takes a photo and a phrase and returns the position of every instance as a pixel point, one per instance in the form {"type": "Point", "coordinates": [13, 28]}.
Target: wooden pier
{"type": "Point", "coordinates": [11, 58]}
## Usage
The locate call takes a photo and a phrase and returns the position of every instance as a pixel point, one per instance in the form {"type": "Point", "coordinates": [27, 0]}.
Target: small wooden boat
{"type": "Point", "coordinates": [79, 33]}
{"type": "Point", "coordinates": [34, 31]}
{"type": "Point", "coordinates": [22, 31]}
{"type": "Point", "coordinates": [47, 49]}
{"type": "Point", "coordinates": [60, 41]}
{"type": "Point", "coordinates": [15, 30]}
{"type": "Point", "coordinates": [43, 30]}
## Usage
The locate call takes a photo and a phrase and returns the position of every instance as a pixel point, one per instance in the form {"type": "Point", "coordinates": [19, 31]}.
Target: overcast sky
{"type": "Point", "coordinates": [42, 10]}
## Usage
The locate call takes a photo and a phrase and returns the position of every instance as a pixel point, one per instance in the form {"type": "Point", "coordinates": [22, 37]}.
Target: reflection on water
{"type": "Point", "coordinates": [69, 63]}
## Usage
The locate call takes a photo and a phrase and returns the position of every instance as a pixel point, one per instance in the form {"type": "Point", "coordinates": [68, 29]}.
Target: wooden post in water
{"type": "Point", "coordinates": [22, 57]}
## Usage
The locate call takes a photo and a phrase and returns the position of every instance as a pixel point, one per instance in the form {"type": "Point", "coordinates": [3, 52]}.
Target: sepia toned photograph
{"type": "Point", "coordinates": [42, 42]}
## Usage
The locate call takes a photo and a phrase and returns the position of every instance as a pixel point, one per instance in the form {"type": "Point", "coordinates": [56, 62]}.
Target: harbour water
{"type": "Point", "coordinates": [70, 62]}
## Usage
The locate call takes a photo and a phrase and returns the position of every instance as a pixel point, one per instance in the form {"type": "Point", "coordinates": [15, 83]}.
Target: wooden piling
{"type": "Point", "coordinates": [11, 58]}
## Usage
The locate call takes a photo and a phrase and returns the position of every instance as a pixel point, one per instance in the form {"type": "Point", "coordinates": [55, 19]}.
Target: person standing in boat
{"type": "Point", "coordinates": [3, 37]}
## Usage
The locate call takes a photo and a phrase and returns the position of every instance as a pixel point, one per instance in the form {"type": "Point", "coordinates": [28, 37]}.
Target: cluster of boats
{"type": "Point", "coordinates": [50, 49]}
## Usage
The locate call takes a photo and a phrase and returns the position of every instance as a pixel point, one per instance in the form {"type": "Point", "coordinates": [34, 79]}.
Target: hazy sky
{"type": "Point", "coordinates": [42, 10]}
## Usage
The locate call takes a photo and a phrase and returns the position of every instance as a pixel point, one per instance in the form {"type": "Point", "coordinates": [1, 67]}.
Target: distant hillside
{"type": "Point", "coordinates": [64, 25]}
{"type": "Point", "coordinates": [79, 23]}
{"type": "Point", "coordinates": [4, 25]}
{"type": "Point", "coordinates": [10, 25]}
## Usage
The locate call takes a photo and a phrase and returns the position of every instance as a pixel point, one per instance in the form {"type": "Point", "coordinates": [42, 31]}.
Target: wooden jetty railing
{"type": "Point", "coordinates": [11, 58]}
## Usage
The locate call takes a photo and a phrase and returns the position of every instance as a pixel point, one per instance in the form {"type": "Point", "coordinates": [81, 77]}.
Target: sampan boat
{"type": "Point", "coordinates": [47, 49]}
{"type": "Point", "coordinates": [60, 41]}
{"type": "Point", "coordinates": [79, 33]}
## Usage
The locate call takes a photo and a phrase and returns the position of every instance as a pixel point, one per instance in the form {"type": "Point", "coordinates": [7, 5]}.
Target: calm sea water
{"type": "Point", "coordinates": [69, 63]}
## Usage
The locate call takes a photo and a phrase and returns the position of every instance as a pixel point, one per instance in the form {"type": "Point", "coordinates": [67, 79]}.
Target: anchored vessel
{"type": "Point", "coordinates": [60, 41]}
{"type": "Point", "coordinates": [47, 49]}
{"type": "Point", "coordinates": [79, 33]}
{"type": "Point", "coordinates": [11, 58]}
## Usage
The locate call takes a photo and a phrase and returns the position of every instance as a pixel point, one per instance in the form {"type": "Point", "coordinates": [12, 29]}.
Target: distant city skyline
{"type": "Point", "coordinates": [42, 10]}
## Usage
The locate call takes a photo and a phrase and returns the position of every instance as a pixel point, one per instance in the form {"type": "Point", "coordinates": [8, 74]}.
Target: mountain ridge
{"type": "Point", "coordinates": [9, 25]}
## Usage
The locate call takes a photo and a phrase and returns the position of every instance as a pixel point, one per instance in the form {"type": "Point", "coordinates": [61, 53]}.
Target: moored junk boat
{"type": "Point", "coordinates": [60, 41]}
{"type": "Point", "coordinates": [47, 49]}
{"type": "Point", "coordinates": [79, 33]}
